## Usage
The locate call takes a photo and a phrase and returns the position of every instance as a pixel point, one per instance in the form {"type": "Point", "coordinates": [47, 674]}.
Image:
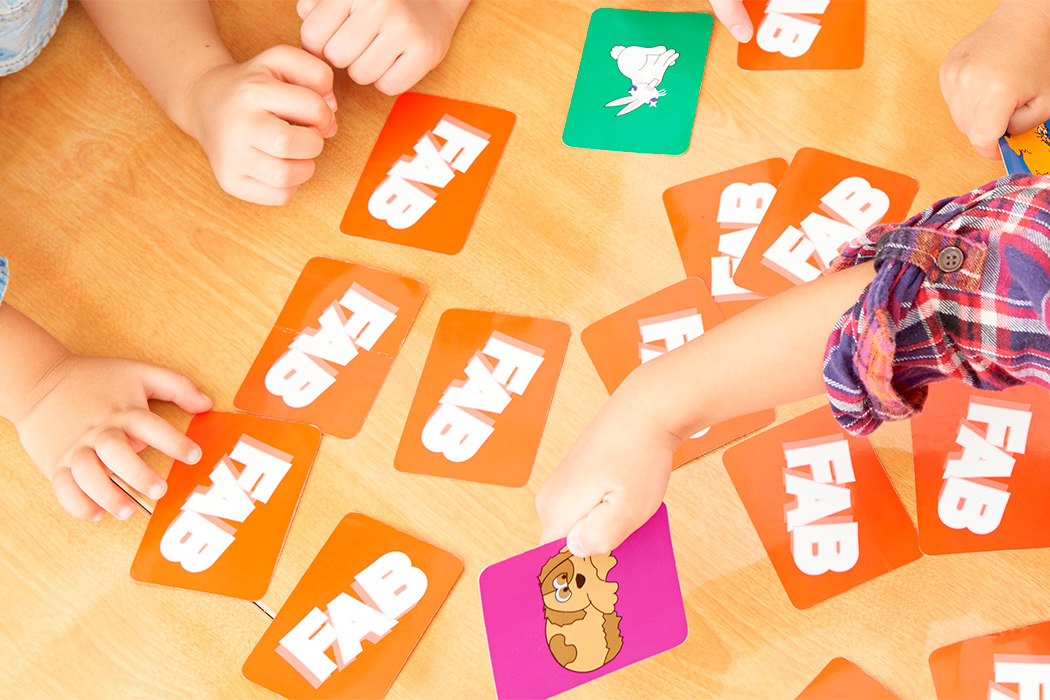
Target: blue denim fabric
{"type": "Point", "coordinates": [3, 276]}
{"type": "Point", "coordinates": [25, 28]}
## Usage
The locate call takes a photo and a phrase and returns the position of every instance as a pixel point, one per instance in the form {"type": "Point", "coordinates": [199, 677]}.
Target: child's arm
{"type": "Point", "coordinates": [392, 43]}
{"type": "Point", "coordinates": [732, 14]}
{"type": "Point", "coordinates": [80, 418]}
{"type": "Point", "coordinates": [616, 474]}
{"type": "Point", "coordinates": [995, 80]}
{"type": "Point", "coordinates": [261, 122]}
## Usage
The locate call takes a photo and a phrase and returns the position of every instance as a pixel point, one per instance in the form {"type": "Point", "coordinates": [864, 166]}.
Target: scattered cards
{"type": "Point", "coordinates": [483, 398]}
{"type": "Point", "coordinates": [221, 525]}
{"type": "Point", "coordinates": [823, 507]}
{"type": "Point", "coordinates": [714, 220]}
{"type": "Point", "coordinates": [823, 203]}
{"type": "Point", "coordinates": [668, 319]}
{"type": "Point", "coordinates": [1028, 152]}
{"type": "Point", "coordinates": [555, 621]}
{"type": "Point", "coordinates": [980, 469]}
{"type": "Point", "coordinates": [424, 181]}
{"type": "Point", "coordinates": [804, 34]}
{"type": "Point", "coordinates": [356, 614]}
{"type": "Point", "coordinates": [332, 346]}
{"type": "Point", "coordinates": [844, 680]}
{"type": "Point", "coordinates": [639, 81]}
{"type": "Point", "coordinates": [1012, 665]}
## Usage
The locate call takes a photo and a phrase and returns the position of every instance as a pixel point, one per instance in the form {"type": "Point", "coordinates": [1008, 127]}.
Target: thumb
{"type": "Point", "coordinates": [168, 385]}
{"type": "Point", "coordinates": [297, 67]}
{"type": "Point", "coordinates": [732, 14]}
{"type": "Point", "coordinates": [605, 528]}
{"type": "Point", "coordinates": [1028, 116]}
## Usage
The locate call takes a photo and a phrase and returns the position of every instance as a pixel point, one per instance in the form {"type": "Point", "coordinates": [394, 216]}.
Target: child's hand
{"type": "Point", "coordinates": [995, 81]}
{"type": "Point", "coordinates": [613, 479]}
{"type": "Point", "coordinates": [392, 43]}
{"type": "Point", "coordinates": [732, 14]}
{"type": "Point", "coordinates": [263, 122]}
{"type": "Point", "coordinates": [92, 418]}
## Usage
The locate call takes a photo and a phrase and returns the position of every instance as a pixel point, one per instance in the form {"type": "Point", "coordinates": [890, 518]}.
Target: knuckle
{"type": "Point", "coordinates": [280, 174]}
{"type": "Point", "coordinates": [280, 144]}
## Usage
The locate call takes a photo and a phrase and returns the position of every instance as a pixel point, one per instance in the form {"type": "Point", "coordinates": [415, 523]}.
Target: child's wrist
{"type": "Point", "coordinates": [190, 106]}
{"type": "Point", "coordinates": [643, 392]}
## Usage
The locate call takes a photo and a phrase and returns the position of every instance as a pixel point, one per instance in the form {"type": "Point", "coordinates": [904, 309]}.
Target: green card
{"type": "Point", "coordinates": [639, 81]}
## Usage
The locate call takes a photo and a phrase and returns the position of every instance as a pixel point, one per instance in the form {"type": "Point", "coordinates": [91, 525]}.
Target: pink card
{"type": "Point", "coordinates": [555, 621]}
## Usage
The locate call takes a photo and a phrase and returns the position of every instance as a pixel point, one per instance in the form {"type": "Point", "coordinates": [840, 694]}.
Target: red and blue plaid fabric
{"type": "Point", "coordinates": [916, 323]}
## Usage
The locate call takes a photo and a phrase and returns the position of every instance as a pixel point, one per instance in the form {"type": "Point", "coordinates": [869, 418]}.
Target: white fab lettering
{"type": "Point", "coordinates": [740, 209]}
{"type": "Point", "coordinates": [789, 26]}
{"type": "Point", "coordinates": [1029, 672]}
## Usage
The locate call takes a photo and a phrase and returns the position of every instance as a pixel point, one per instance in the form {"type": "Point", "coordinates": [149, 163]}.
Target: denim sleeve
{"type": "Point", "coordinates": [25, 28]}
{"type": "Point", "coordinates": [3, 277]}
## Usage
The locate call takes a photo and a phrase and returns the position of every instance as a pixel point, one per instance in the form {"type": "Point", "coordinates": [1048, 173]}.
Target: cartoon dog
{"type": "Point", "coordinates": [645, 67]}
{"type": "Point", "coordinates": [583, 629]}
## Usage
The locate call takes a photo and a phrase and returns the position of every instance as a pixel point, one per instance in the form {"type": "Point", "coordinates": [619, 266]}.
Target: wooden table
{"type": "Point", "coordinates": [120, 242]}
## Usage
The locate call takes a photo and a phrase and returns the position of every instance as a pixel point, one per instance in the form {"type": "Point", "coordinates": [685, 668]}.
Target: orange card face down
{"type": "Point", "coordinates": [715, 218]}
{"type": "Point", "coordinates": [841, 679]}
{"type": "Point", "coordinates": [668, 319]}
{"type": "Point", "coordinates": [824, 202]}
{"type": "Point", "coordinates": [823, 507]}
{"type": "Point", "coordinates": [424, 182]}
{"type": "Point", "coordinates": [1011, 665]}
{"type": "Point", "coordinates": [483, 397]}
{"type": "Point", "coordinates": [356, 614]}
{"type": "Point", "coordinates": [332, 346]}
{"type": "Point", "coordinates": [980, 469]}
{"type": "Point", "coordinates": [804, 34]}
{"type": "Point", "coordinates": [221, 525]}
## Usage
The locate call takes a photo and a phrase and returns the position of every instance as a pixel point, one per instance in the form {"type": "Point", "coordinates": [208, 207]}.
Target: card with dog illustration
{"type": "Point", "coordinates": [714, 219]}
{"type": "Point", "coordinates": [483, 397]}
{"type": "Point", "coordinates": [803, 35]}
{"type": "Point", "coordinates": [355, 616]}
{"type": "Point", "coordinates": [822, 505]}
{"type": "Point", "coordinates": [980, 469]}
{"type": "Point", "coordinates": [221, 525]}
{"type": "Point", "coordinates": [424, 181]}
{"type": "Point", "coordinates": [823, 203]}
{"type": "Point", "coordinates": [1028, 152]}
{"type": "Point", "coordinates": [844, 680]}
{"type": "Point", "coordinates": [646, 329]}
{"type": "Point", "coordinates": [639, 81]}
{"type": "Point", "coordinates": [332, 346]}
{"type": "Point", "coordinates": [555, 621]}
{"type": "Point", "coordinates": [1010, 665]}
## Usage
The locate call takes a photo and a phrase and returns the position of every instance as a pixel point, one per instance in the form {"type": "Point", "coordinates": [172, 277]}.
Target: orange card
{"type": "Point", "coordinates": [483, 397]}
{"type": "Point", "coordinates": [822, 505]}
{"type": "Point", "coordinates": [715, 218]}
{"type": "Point", "coordinates": [980, 469]}
{"type": "Point", "coordinates": [355, 615]}
{"type": "Point", "coordinates": [823, 203]}
{"type": "Point", "coordinates": [657, 324]}
{"type": "Point", "coordinates": [221, 525]}
{"type": "Point", "coordinates": [804, 34]}
{"type": "Point", "coordinates": [844, 680]}
{"type": "Point", "coordinates": [332, 346]}
{"type": "Point", "coordinates": [1011, 665]}
{"type": "Point", "coordinates": [424, 182]}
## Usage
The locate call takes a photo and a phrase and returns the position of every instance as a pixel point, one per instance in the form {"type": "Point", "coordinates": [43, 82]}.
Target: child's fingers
{"type": "Point", "coordinates": [251, 190]}
{"type": "Point", "coordinates": [402, 75]}
{"type": "Point", "coordinates": [113, 449]}
{"type": "Point", "coordinates": [559, 513]}
{"type": "Point", "coordinates": [277, 172]}
{"type": "Point", "coordinates": [90, 475]}
{"type": "Point", "coordinates": [291, 65]}
{"type": "Point", "coordinates": [70, 497]}
{"type": "Point", "coordinates": [991, 117]}
{"type": "Point", "coordinates": [1029, 115]}
{"type": "Point", "coordinates": [158, 433]}
{"type": "Point", "coordinates": [299, 105]}
{"type": "Point", "coordinates": [605, 527]}
{"type": "Point", "coordinates": [732, 14]}
{"type": "Point", "coordinates": [352, 39]}
{"type": "Point", "coordinates": [321, 24]}
{"type": "Point", "coordinates": [166, 384]}
{"type": "Point", "coordinates": [376, 60]}
{"type": "Point", "coordinates": [305, 7]}
{"type": "Point", "coordinates": [280, 139]}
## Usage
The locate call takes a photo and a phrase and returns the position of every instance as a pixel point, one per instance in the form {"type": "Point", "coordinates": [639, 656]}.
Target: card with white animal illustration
{"type": "Point", "coordinates": [555, 621]}
{"type": "Point", "coordinates": [1009, 665]}
{"type": "Point", "coordinates": [639, 81]}
{"type": "Point", "coordinates": [658, 324]}
{"type": "Point", "coordinates": [842, 679]}
{"type": "Point", "coordinates": [804, 35]}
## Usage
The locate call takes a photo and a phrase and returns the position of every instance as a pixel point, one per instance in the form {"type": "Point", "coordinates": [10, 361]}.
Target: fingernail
{"type": "Point", "coordinates": [126, 512]}
{"type": "Point", "coordinates": [192, 457]}
{"type": "Point", "coordinates": [98, 516]}
{"type": "Point", "coordinates": [331, 132]}
{"type": "Point", "coordinates": [157, 490]}
{"type": "Point", "coordinates": [741, 32]}
{"type": "Point", "coordinates": [330, 99]}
